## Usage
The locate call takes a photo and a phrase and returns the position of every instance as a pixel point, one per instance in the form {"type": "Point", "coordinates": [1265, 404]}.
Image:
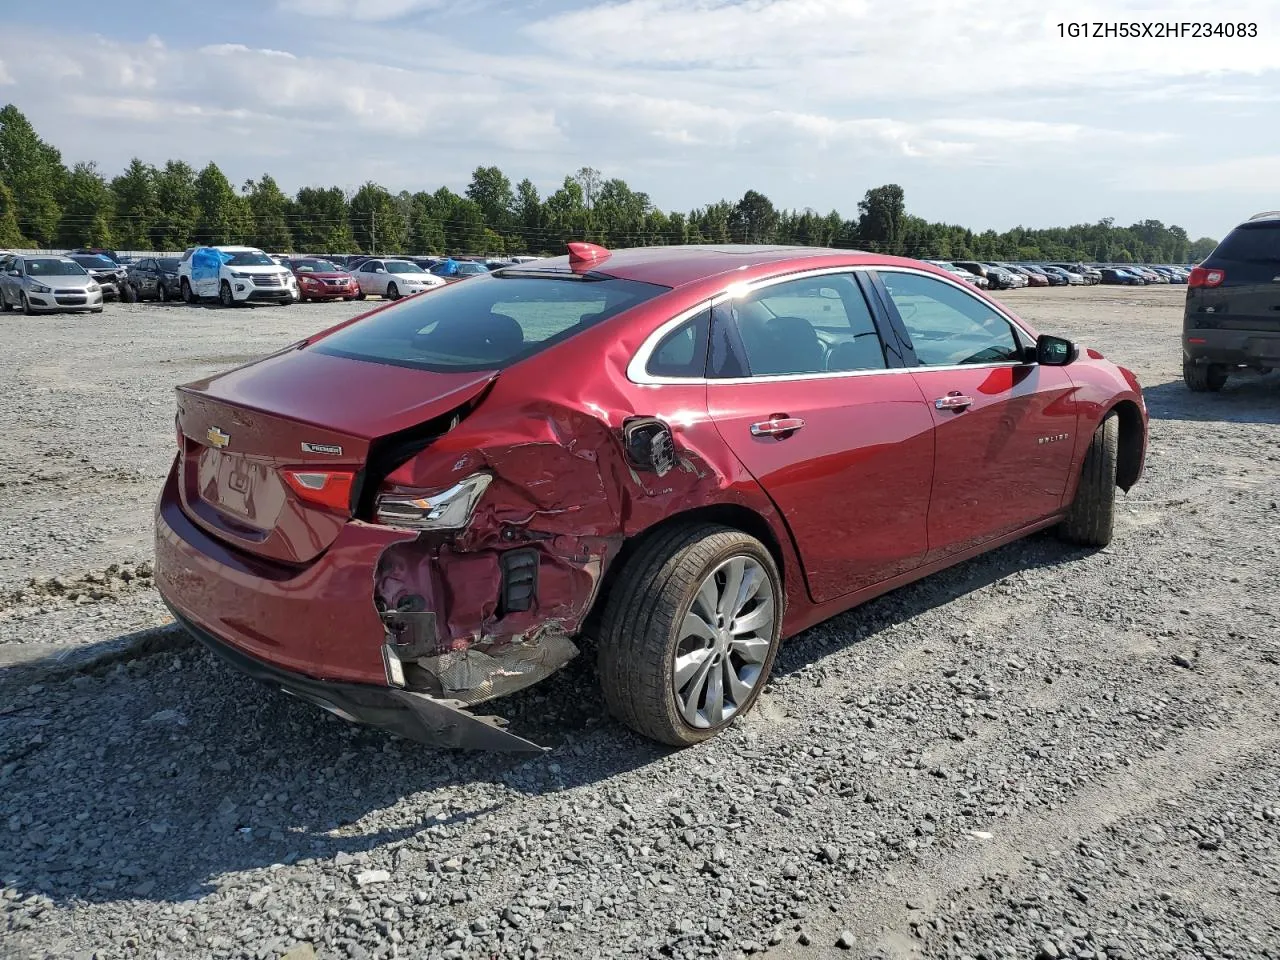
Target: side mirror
{"type": "Point", "coordinates": [380, 270]}
{"type": "Point", "coordinates": [1054, 351]}
{"type": "Point", "coordinates": [15, 273]}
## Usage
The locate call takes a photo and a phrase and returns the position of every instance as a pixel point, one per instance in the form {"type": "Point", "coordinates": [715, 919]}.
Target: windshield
{"type": "Point", "coordinates": [402, 266]}
{"type": "Point", "coordinates": [252, 258]}
{"type": "Point", "coordinates": [472, 268]}
{"type": "Point", "coordinates": [487, 324]}
{"type": "Point", "coordinates": [53, 267]}
{"type": "Point", "coordinates": [312, 265]}
{"type": "Point", "coordinates": [169, 264]}
{"type": "Point", "coordinates": [93, 261]}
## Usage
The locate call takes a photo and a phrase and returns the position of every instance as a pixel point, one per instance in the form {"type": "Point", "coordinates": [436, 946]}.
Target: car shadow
{"type": "Point", "coordinates": [155, 778]}
{"type": "Point", "coordinates": [1246, 398]}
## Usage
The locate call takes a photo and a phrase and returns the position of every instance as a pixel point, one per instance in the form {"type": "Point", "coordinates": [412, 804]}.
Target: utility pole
{"type": "Point", "coordinates": [373, 232]}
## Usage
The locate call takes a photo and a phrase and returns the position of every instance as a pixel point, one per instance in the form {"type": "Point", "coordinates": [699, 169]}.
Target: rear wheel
{"type": "Point", "coordinates": [225, 296]}
{"type": "Point", "coordinates": [1203, 377]}
{"type": "Point", "coordinates": [393, 292]}
{"type": "Point", "coordinates": [5, 305]}
{"type": "Point", "coordinates": [188, 295]}
{"type": "Point", "coordinates": [690, 632]}
{"type": "Point", "coordinates": [1091, 519]}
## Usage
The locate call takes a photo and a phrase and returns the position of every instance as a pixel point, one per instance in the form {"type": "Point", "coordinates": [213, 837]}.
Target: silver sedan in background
{"type": "Point", "coordinates": [48, 284]}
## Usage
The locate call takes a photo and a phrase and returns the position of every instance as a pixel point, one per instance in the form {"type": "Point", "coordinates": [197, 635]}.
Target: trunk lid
{"type": "Point", "coordinates": [295, 410]}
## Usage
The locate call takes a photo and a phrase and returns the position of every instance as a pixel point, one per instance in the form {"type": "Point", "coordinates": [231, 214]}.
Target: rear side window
{"type": "Point", "coordinates": [486, 323]}
{"type": "Point", "coordinates": [683, 351]}
{"type": "Point", "coordinates": [1256, 242]}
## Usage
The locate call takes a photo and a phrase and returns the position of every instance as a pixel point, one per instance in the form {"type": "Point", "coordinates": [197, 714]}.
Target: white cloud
{"type": "Point", "coordinates": [372, 10]}
{"type": "Point", "coordinates": [1236, 175]}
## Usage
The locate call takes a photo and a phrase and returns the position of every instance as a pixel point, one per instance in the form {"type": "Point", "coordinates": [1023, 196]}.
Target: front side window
{"type": "Point", "coordinates": [808, 325]}
{"type": "Point", "coordinates": [487, 323]}
{"type": "Point", "coordinates": [947, 325]}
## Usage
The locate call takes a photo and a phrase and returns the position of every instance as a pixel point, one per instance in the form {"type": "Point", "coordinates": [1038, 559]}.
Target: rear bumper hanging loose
{"type": "Point", "coordinates": [415, 716]}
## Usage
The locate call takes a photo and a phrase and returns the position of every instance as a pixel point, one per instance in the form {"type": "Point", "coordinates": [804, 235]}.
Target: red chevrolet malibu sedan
{"type": "Point", "coordinates": [687, 454]}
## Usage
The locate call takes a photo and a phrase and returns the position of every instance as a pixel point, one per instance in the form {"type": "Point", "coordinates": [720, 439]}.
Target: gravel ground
{"type": "Point", "coordinates": [1041, 753]}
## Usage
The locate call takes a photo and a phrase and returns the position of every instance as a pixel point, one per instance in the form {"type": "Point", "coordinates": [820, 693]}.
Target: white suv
{"type": "Point", "coordinates": [234, 275]}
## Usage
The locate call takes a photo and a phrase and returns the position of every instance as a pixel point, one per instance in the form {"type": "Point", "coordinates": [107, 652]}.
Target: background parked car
{"type": "Point", "coordinates": [1063, 274]}
{"type": "Point", "coordinates": [156, 278]}
{"type": "Point", "coordinates": [960, 273]}
{"type": "Point", "coordinates": [113, 278]}
{"type": "Point", "coordinates": [393, 279]}
{"type": "Point", "coordinates": [1003, 278]}
{"type": "Point", "coordinates": [1117, 275]}
{"type": "Point", "coordinates": [451, 270]}
{"type": "Point", "coordinates": [320, 279]}
{"type": "Point", "coordinates": [48, 284]}
{"type": "Point", "coordinates": [234, 275]}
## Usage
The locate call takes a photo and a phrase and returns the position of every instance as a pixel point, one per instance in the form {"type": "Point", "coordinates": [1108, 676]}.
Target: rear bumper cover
{"type": "Point", "coordinates": [415, 716]}
{"type": "Point", "coordinates": [1255, 348]}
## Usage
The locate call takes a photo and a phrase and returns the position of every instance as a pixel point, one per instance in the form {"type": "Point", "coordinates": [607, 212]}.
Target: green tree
{"type": "Point", "coordinates": [10, 235]}
{"type": "Point", "coordinates": [87, 207]}
{"type": "Point", "coordinates": [491, 191]}
{"type": "Point", "coordinates": [137, 208]}
{"type": "Point", "coordinates": [33, 171]}
{"type": "Point", "coordinates": [179, 205]}
{"type": "Point", "coordinates": [377, 222]}
{"type": "Point", "coordinates": [270, 209]}
{"type": "Point", "coordinates": [320, 223]}
{"type": "Point", "coordinates": [880, 215]}
{"type": "Point", "coordinates": [529, 215]}
{"type": "Point", "coordinates": [1200, 249]}
{"type": "Point", "coordinates": [220, 214]}
{"type": "Point", "coordinates": [566, 213]}
{"type": "Point", "coordinates": [753, 219]}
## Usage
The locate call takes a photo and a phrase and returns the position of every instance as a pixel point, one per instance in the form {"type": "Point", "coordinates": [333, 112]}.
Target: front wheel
{"type": "Point", "coordinates": [1091, 519]}
{"type": "Point", "coordinates": [225, 296]}
{"type": "Point", "coordinates": [129, 293]}
{"type": "Point", "coordinates": [26, 305]}
{"type": "Point", "coordinates": [1203, 377]}
{"type": "Point", "coordinates": [689, 632]}
{"type": "Point", "coordinates": [393, 292]}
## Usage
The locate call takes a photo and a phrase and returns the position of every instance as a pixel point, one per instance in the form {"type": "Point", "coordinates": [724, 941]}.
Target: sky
{"type": "Point", "coordinates": [983, 113]}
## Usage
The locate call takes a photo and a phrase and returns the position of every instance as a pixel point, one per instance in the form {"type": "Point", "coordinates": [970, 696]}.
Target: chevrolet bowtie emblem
{"type": "Point", "coordinates": [217, 438]}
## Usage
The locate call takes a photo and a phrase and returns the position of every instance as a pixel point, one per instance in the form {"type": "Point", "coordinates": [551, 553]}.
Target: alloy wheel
{"type": "Point", "coordinates": [724, 642]}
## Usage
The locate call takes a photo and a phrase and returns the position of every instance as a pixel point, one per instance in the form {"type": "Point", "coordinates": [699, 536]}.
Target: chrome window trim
{"type": "Point", "coordinates": [637, 372]}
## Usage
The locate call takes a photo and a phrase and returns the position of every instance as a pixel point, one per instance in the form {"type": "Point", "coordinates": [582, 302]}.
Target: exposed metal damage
{"type": "Point", "coordinates": [490, 609]}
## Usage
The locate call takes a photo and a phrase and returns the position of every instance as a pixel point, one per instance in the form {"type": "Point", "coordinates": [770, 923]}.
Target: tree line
{"type": "Point", "coordinates": [45, 204]}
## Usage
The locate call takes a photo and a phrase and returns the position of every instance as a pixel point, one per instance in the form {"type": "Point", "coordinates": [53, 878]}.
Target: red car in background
{"type": "Point", "coordinates": [321, 280]}
{"type": "Point", "coordinates": [689, 452]}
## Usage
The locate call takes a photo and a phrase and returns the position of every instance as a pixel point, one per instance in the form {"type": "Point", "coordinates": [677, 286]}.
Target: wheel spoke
{"type": "Point", "coordinates": [687, 666]}
{"type": "Point", "coordinates": [757, 620]}
{"type": "Point", "coordinates": [733, 571]}
{"type": "Point", "coordinates": [714, 707]}
{"type": "Point", "coordinates": [695, 626]}
{"type": "Point", "coordinates": [752, 649]}
{"type": "Point", "coordinates": [706, 599]}
{"type": "Point", "coordinates": [751, 583]}
{"type": "Point", "coordinates": [739, 689]}
{"type": "Point", "coordinates": [692, 693]}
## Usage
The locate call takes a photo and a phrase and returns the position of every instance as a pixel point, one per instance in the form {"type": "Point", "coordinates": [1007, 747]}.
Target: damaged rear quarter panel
{"type": "Point", "coordinates": [551, 433]}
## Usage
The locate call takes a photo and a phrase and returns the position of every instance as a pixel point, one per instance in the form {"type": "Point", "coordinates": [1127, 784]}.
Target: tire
{"type": "Point", "coordinates": [129, 293]}
{"type": "Point", "coordinates": [361, 295]}
{"type": "Point", "coordinates": [1203, 377]}
{"type": "Point", "coordinates": [349, 299]}
{"type": "Point", "coordinates": [656, 594]}
{"type": "Point", "coordinates": [225, 296]}
{"type": "Point", "coordinates": [26, 305]}
{"type": "Point", "coordinates": [162, 293]}
{"type": "Point", "coordinates": [188, 295]}
{"type": "Point", "coordinates": [96, 310]}
{"type": "Point", "coordinates": [393, 292]}
{"type": "Point", "coordinates": [5, 305]}
{"type": "Point", "coordinates": [1091, 518]}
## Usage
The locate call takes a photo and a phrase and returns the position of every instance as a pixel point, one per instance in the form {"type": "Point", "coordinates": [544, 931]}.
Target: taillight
{"type": "Point", "coordinates": [1206, 277]}
{"type": "Point", "coordinates": [327, 488]}
{"type": "Point", "coordinates": [419, 510]}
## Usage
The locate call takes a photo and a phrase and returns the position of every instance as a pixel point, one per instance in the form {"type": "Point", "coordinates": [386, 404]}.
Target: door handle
{"type": "Point", "coordinates": [954, 401]}
{"type": "Point", "coordinates": [780, 427]}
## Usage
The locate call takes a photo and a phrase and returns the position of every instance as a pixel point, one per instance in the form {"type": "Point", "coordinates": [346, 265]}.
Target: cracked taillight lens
{"type": "Point", "coordinates": [447, 510]}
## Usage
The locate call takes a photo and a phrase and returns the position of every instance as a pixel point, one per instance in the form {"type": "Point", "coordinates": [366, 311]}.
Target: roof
{"type": "Point", "coordinates": [675, 266]}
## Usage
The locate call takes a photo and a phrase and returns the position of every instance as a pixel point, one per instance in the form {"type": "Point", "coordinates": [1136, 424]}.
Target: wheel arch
{"type": "Point", "coordinates": [732, 515]}
{"type": "Point", "coordinates": [1132, 444]}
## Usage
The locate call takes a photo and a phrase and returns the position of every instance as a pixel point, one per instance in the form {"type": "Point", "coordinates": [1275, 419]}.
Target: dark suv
{"type": "Point", "coordinates": [1232, 318]}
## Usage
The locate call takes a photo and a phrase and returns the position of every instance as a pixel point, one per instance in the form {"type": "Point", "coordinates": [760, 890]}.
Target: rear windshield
{"type": "Point", "coordinates": [1258, 242]}
{"type": "Point", "coordinates": [487, 323]}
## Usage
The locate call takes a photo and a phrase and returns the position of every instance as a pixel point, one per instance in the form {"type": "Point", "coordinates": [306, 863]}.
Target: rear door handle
{"type": "Point", "coordinates": [780, 427]}
{"type": "Point", "coordinates": [954, 401]}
